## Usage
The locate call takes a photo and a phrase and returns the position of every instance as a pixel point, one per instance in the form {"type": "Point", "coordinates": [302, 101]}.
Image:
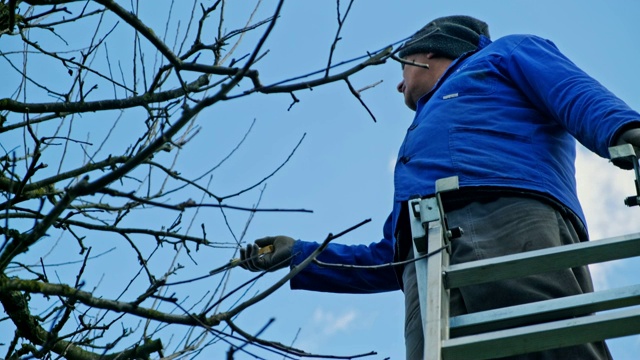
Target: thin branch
{"type": "Point", "coordinates": [15, 304]}
{"type": "Point", "coordinates": [142, 28]}
{"type": "Point", "coordinates": [289, 349]}
{"type": "Point", "coordinates": [100, 105]}
{"type": "Point", "coordinates": [337, 37]}
{"type": "Point", "coordinates": [71, 61]}
{"type": "Point", "coordinates": [38, 287]}
{"type": "Point", "coordinates": [270, 175]}
{"type": "Point", "coordinates": [376, 59]}
{"type": "Point", "coordinates": [409, 62]}
{"type": "Point", "coordinates": [192, 204]}
{"type": "Point", "coordinates": [159, 235]}
{"type": "Point", "coordinates": [357, 95]}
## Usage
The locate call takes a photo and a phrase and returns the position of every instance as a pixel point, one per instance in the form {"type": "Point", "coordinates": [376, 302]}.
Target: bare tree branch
{"type": "Point", "coordinates": [112, 104]}
{"type": "Point", "coordinates": [91, 163]}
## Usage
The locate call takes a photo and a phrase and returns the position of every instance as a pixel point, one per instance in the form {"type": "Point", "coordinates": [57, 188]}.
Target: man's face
{"type": "Point", "coordinates": [416, 80]}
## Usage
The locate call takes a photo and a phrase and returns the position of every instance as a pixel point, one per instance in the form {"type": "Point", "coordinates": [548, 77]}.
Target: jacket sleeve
{"type": "Point", "coordinates": [590, 112]}
{"type": "Point", "coordinates": [345, 280]}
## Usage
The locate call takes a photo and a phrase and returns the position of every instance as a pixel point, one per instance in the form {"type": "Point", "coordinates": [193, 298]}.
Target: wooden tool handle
{"type": "Point", "coordinates": [261, 251]}
{"type": "Point", "coordinates": [265, 250]}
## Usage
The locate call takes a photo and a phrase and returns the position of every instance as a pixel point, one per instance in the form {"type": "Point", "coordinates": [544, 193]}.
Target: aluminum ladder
{"type": "Point", "coordinates": [507, 331]}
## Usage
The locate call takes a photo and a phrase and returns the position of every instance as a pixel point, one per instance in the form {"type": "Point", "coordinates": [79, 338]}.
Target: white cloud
{"type": "Point", "coordinates": [601, 273]}
{"type": "Point", "coordinates": [330, 323]}
{"type": "Point", "coordinates": [602, 188]}
{"type": "Point", "coordinates": [392, 163]}
{"type": "Point", "coordinates": [326, 326]}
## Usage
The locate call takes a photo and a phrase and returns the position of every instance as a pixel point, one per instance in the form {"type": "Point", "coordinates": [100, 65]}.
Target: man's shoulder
{"type": "Point", "coordinates": [510, 45]}
{"type": "Point", "coordinates": [517, 40]}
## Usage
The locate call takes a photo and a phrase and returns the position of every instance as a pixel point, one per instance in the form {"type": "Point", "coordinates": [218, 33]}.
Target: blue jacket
{"type": "Point", "coordinates": [506, 115]}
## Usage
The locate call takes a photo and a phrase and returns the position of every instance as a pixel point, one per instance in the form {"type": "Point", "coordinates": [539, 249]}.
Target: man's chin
{"type": "Point", "coordinates": [410, 104]}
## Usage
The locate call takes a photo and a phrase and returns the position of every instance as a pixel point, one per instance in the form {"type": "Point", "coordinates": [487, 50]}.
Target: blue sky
{"type": "Point", "coordinates": [343, 168]}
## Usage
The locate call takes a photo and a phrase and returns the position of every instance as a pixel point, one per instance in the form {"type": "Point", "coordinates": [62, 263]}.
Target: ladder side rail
{"type": "Point", "coordinates": [437, 310]}
{"type": "Point", "coordinates": [424, 221]}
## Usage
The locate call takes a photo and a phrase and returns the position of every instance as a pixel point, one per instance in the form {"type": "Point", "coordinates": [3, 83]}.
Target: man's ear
{"type": "Point", "coordinates": [430, 55]}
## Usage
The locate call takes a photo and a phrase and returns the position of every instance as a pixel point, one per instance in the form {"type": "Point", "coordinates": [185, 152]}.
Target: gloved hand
{"type": "Point", "coordinates": [630, 136]}
{"type": "Point", "coordinates": [277, 259]}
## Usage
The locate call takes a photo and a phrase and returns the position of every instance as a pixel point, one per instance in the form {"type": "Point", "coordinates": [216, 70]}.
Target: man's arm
{"type": "Point", "coordinates": [555, 85]}
{"type": "Point", "coordinates": [285, 251]}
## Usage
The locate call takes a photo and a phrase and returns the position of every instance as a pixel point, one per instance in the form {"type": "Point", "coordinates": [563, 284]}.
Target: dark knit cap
{"type": "Point", "coordinates": [449, 36]}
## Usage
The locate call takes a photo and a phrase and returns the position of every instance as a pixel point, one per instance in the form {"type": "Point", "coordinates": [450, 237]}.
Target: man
{"type": "Point", "coordinates": [503, 116]}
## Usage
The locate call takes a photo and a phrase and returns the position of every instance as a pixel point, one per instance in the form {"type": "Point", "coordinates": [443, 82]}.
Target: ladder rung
{"type": "Point", "coordinates": [539, 261]}
{"type": "Point", "coordinates": [542, 311]}
{"type": "Point", "coordinates": [543, 336]}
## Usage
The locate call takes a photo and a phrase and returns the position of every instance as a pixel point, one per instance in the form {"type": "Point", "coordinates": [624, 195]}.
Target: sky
{"type": "Point", "coordinates": [343, 169]}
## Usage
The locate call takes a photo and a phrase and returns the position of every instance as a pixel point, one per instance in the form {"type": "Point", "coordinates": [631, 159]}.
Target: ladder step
{"type": "Point", "coordinates": [540, 261]}
{"type": "Point", "coordinates": [543, 311]}
{"type": "Point", "coordinates": [543, 336]}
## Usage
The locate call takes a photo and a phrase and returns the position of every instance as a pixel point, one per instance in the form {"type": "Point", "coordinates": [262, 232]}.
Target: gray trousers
{"type": "Point", "coordinates": [506, 225]}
